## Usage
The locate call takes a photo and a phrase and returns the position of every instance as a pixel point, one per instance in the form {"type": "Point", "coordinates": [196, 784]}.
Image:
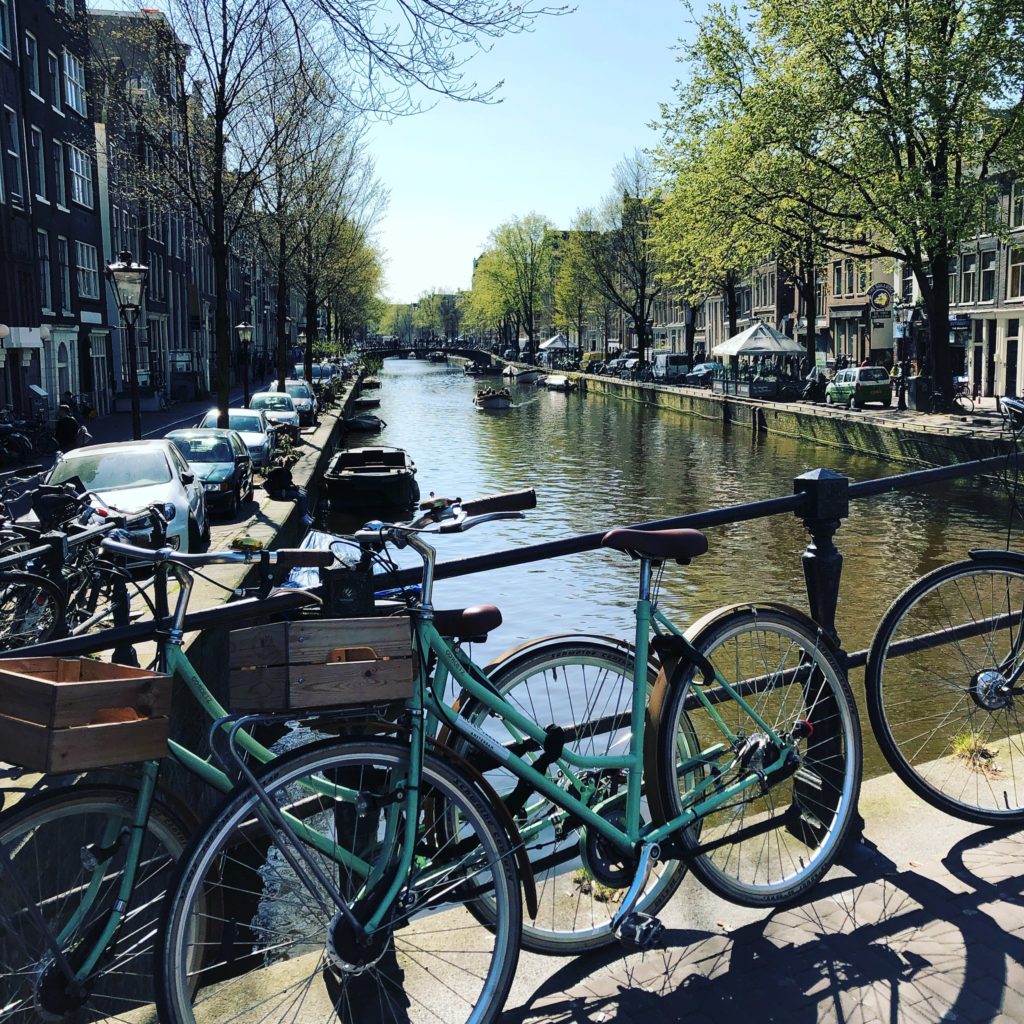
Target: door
{"type": "Point", "coordinates": [990, 357]}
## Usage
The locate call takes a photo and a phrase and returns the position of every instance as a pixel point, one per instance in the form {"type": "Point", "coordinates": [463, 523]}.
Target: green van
{"type": "Point", "coordinates": [858, 385]}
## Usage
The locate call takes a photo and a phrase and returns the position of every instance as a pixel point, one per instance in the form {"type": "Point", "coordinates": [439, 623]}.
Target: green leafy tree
{"type": "Point", "coordinates": [575, 294]}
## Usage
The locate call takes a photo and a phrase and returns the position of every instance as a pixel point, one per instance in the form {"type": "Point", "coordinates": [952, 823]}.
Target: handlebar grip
{"type": "Point", "coordinates": [510, 501]}
{"type": "Point", "coordinates": [304, 558]}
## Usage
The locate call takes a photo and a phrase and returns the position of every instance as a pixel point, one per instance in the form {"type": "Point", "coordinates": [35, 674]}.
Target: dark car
{"type": "Point", "coordinates": [700, 376]}
{"type": "Point", "coordinates": [221, 461]}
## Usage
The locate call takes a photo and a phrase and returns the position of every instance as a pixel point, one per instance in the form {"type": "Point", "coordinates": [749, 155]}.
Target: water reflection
{"type": "Point", "coordinates": [598, 463]}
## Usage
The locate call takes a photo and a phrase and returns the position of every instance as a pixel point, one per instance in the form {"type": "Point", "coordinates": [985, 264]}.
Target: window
{"type": "Point", "coordinates": [837, 278]}
{"type": "Point", "coordinates": [863, 278]}
{"type": "Point", "coordinates": [88, 271]}
{"type": "Point", "coordinates": [907, 284]}
{"type": "Point", "coordinates": [969, 277]}
{"type": "Point", "coordinates": [60, 193]}
{"type": "Point", "coordinates": [1017, 205]}
{"type": "Point", "coordinates": [53, 75]}
{"type": "Point", "coordinates": [156, 276]}
{"type": "Point", "coordinates": [32, 64]}
{"type": "Point", "coordinates": [954, 281]}
{"type": "Point", "coordinates": [988, 276]}
{"type": "Point", "coordinates": [12, 157]}
{"type": "Point", "coordinates": [1015, 273]}
{"type": "Point", "coordinates": [43, 256]}
{"type": "Point", "coordinates": [848, 266]}
{"type": "Point", "coordinates": [64, 274]}
{"type": "Point", "coordinates": [37, 163]}
{"type": "Point", "coordinates": [74, 83]}
{"type": "Point", "coordinates": [81, 176]}
{"type": "Point", "coordinates": [5, 27]}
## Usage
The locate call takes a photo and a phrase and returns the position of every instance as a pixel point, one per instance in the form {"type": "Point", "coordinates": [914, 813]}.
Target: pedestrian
{"type": "Point", "coordinates": [281, 487]}
{"type": "Point", "coordinates": [65, 432]}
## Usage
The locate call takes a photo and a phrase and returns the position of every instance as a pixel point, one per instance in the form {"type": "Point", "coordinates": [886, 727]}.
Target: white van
{"type": "Point", "coordinates": [669, 367]}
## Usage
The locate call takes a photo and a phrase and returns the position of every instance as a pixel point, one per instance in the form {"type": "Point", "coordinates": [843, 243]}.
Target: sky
{"type": "Point", "coordinates": [580, 92]}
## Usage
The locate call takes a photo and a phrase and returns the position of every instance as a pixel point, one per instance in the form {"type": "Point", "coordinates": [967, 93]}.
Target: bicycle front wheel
{"type": "Point", "coordinates": [64, 852]}
{"type": "Point", "coordinates": [585, 686]}
{"type": "Point", "coordinates": [943, 690]}
{"type": "Point", "coordinates": [769, 843]}
{"type": "Point", "coordinates": [283, 950]}
{"type": "Point", "coordinates": [31, 610]}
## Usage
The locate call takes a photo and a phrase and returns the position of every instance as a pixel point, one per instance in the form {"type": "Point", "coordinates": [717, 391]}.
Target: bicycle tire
{"type": "Point", "coordinates": [737, 852]}
{"type": "Point", "coordinates": [941, 718]}
{"type": "Point", "coordinates": [32, 610]}
{"type": "Point", "coordinates": [577, 677]}
{"type": "Point", "coordinates": [49, 839]}
{"type": "Point", "coordinates": [267, 950]}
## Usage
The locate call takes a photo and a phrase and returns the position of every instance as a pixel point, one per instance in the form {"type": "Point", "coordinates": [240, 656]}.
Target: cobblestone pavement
{"type": "Point", "coordinates": [933, 934]}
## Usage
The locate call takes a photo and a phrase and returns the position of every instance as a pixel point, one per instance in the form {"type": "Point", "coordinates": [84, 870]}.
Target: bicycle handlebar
{"type": "Point", "coordinates": [286, 557]}
{"type": "Point", "coordinates": [510, 501]}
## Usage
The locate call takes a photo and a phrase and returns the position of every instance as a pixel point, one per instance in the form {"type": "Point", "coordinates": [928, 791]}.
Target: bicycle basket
{"type": "Point", "coordinates": [320, 663]}
{"type": "Point", "coordinates": [74, 714]}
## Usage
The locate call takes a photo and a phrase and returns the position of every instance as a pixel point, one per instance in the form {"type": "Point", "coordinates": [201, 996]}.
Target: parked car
{"type": "Point", "coordinates": [257, 432]}
{"type": "Point", "coordinates": [614, 366]}
{"type": "Point", "coordinates": [280, 410]}
{"type": "Point", "coordinates": [859, 384]}
{"type": "Point", "coordinates": [669, 367]}
{"type": "Point", "coordinates": [305, 401]}
{"type": "Point", "coordinates": [131, 475]}
{"type": "Point", "coordinates": [222, 463]}
{"type": "Point", "coordinates": [700, 376]}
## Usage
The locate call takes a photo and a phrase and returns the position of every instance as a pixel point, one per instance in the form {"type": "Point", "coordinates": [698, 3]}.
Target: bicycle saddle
{"type": "Point", "coordinates": [468, 623]}
{"type": "Point", "coordinates": [682, 545]}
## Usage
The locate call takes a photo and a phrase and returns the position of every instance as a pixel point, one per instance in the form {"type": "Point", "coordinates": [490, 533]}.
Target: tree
{"type": "Point", "coordinates": [488, 308]}
{"type": "Point", "coordinates": [575, 293]}
{"type": "Point", "coordinates": [899, 118]}
{"type": "Point", "coordinates": [520, 269]}
{"type": "Point", "coordinates": [616, 243]}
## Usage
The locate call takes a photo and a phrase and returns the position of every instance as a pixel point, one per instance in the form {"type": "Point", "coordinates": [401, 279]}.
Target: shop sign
{"type": "Point", "coordinates": [880, 297]}
{"type": "Point", "coordinates": [959, 323]}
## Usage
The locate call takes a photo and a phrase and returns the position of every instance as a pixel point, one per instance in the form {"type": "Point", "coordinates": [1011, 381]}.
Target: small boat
{"type": "Point", "coordinates": [365, 403]}
{"type": "Point", "coordinates": [371, 478]}
{"type": "Point", "coordinates": [437, 357]}
{"type": "Point", "coordinates": [369, 383]}
{"type": "Point", "coordinates": [364, 423]}
{"type": "Point", "coordinates": [490, 398]}
{"type": "Point", "coordinates": [523, 376]}
{"type": "Point", "coordinates": [558, 382]}
{"type": "Point", "coordinates": [481, 370]}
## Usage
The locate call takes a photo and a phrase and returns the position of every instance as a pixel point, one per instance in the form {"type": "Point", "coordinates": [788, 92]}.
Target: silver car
{"type": "Point", "coordinates": [279, 408]}
{"type": "Point", "coordinates": [305, 401]}
{"type": "Point", "coordinates": [257, 432]}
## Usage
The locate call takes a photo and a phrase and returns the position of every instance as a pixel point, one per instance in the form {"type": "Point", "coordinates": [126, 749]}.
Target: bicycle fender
{"type": "Point", "coordinates": [673, 668]}
{"type": "Point", "coordinates": [540, 642]}
{"type": "Point", "coordinates": [504, 817]}
{"type": "Point", "coordinates": [1014, 558]}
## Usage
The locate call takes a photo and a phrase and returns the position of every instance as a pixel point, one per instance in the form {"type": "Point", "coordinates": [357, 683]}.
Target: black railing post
{"type": "Point", "coordinates": [826, 504]}
{"type": "Point", "coordinates": [124, 653]}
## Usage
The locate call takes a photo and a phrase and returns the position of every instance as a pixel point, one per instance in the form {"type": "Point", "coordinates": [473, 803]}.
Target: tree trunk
{"type": "Point", "coordinates": [690, 318]}
{"type": "Point", "coordinates": [730, 305]}
{"type": "Point", "coordinates": [811, 313]}
{"type": "Point", "coordinates": [312, 302]}
{"type": "Point", "coordinates": [939, 366]}
{"type": "Point", "coordinates": [219, 253]}
{"type": "Point", "coordinates": [283, 356]}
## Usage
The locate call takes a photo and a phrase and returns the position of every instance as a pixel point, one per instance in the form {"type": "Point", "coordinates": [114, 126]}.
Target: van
{"type": "Point", "coordinates": [669, 367]}
{"type": "Point", "coordinates": [589, 359]}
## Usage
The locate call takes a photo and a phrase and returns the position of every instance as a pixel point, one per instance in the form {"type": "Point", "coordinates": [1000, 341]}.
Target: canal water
{"type": "Point", "coordinates": [597, 463]}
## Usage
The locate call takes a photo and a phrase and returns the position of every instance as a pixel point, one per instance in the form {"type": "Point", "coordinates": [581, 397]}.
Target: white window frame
{"type": "Point", "coordinates": [37, 163]}
{"type": "Point", "coordinates": [35, 85]}
{"type": "Point", "coordinates": [5, 28]}
{"type": "Point", "coordinates": [60, 191]}
{"type": "Point", "coordinates": [1017, 205]}
{"type": "Point", "coordinates": [74, 84]}
{"type": "Point", "coordinates": [43, 262]}
{"type": "Point", "coordinates": [11, 147]}
{"type": "Point", "coordinates": [80, 165]}
{"type": "Point", "coordinates": [1015, 272]}
{"type": "Point", "coordinates": [969, 273]}
{"type": "Point", "coordinates": [64, 269]}
{"type": "Point", "coordinates": [88, 266]}
{"type": "Point", "coordinates": [992, 272]}
{"type": "Point", "coordinates": [54, 82]}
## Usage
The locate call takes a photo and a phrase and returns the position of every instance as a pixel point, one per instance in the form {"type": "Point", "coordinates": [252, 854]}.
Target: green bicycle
{"type": "Point", "coordinates": [753, 781]}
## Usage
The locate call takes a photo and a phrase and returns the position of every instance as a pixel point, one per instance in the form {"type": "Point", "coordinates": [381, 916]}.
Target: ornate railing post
{"type": "Point", "coordinates": [826, 504]}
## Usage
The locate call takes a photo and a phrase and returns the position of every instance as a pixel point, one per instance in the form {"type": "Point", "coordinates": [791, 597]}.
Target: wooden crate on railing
{"type": "Point", "coordinates": [75, 714]}
{"type": "Point", "coordinates": [320, 663]}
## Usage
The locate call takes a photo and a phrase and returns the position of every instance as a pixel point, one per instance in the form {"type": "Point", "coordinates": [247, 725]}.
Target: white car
{"type": "Point", "coordinates": [279, 408]}
{"type": "Point", "coordinates": [131, 475]}
{"type": "Point", "coordinates": [256, 430]}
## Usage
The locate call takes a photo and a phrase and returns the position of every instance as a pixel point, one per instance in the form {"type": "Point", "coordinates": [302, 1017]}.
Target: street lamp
{"type": "Point", "coordinates": [245, 340]}
{"type": "Point", "coordinates": [128, 283]}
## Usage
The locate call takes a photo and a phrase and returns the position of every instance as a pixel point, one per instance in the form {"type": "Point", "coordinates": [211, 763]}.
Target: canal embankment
{"type": "Point", "coordinates": [904, 437]}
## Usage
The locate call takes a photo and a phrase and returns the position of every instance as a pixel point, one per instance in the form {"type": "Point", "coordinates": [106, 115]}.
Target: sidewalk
{"type": "Point", "coordinates": [117, 426]}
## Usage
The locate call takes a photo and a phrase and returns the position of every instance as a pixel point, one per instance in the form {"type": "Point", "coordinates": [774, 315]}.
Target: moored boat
{"type": "Point", "coordinates": [364, 423]}
{"type": "Point", "coordinates": [437, 357]}
{"type": "Point", "coordinates": [482, 370]}
{"type": "Point", "coordinates": [371, 478]}
{"type": "Point", "coordinates": [365, 403]}
{"type": "Point", "coordinates": [369, 383]}
{"type": "Point", "coordinates": [523, 376]}
{"type": "Point", "coordinates": [490, 398]}
{"type": "Point", "coordinates": [559, 382]}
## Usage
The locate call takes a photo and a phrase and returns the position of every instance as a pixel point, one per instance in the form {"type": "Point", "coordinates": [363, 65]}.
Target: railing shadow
{"type": "Point", "coordinates": [881, 944]}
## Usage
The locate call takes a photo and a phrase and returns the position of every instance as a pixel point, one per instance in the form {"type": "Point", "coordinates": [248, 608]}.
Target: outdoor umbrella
{"type": "Point", "coordinates": [759, 340]}
{"type": "Point", "coordinates": [555, 341]}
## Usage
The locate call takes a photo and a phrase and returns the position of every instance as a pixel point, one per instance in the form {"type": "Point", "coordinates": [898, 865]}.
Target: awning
{"type": "Point", "coordinates": [759, 340]}
{"type": "Point", "coordinates": [555, 341]}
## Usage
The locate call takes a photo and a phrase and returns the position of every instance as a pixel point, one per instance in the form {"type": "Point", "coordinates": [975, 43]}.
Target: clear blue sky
{"type": "Point", "coordinates": [579, 94]}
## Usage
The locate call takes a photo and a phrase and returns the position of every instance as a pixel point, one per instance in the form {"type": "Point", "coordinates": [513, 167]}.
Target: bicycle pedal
{"type": "Point", "coordinates": [639, 931]}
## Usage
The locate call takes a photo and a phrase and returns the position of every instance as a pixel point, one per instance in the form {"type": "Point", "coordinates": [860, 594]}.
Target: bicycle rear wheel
{"type": "Point", "coordinates": [54, 845]}
{"type": "Point", "coordinates": [585, 686]}
{"type": "Point", "coordinates": [766, 845]}
{"type": "Point", "coordinates": [286, 954]}
{"type": "Point", "coordinates": [943, 689]}
{"type": "Point", "coordinates": [31, 610]}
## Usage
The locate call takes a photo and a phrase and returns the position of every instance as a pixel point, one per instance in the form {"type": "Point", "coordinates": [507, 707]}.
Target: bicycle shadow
{"type": "Point", "coordinates": [881, 944]}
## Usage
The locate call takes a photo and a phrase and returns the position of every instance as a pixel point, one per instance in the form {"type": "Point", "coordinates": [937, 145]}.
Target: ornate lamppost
{"type": "Point", "coordinates": [128, 282]}
{"type": "Point", "coordinates": [245, 340]}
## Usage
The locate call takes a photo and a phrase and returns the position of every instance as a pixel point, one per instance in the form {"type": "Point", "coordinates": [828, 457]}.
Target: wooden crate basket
{"type": "Point", "coordinates": [73, 714]}
{"type": "Point", "coordinates": [320, 663]}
